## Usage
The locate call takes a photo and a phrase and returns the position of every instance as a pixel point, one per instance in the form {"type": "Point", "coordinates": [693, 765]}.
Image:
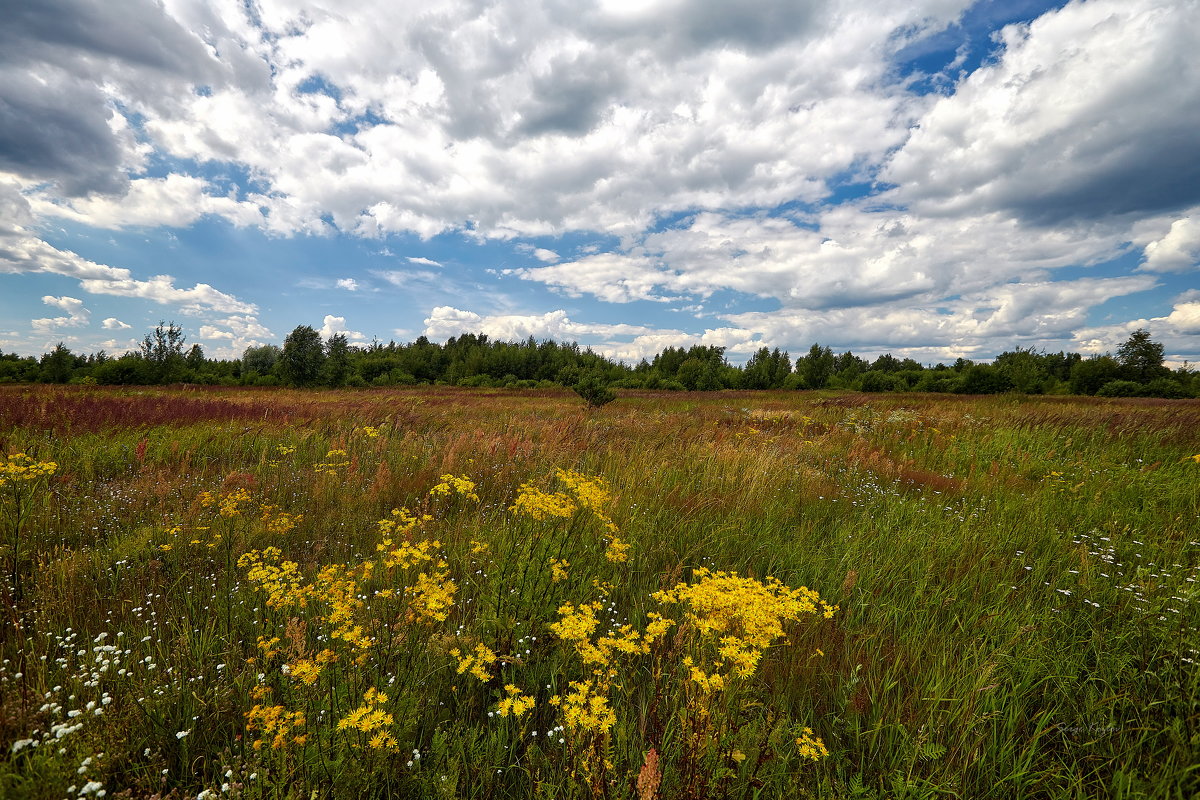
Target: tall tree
{"type": "Point", "coordinates": [1141, 359]}
{"type": "Point", "coordinates": [162, 349]}
{"type": "Point", "coordinates": [302, 357]}
{"type": "Point", "coordinates": [260, 359]}
{"type": "Point", "coordinates": [337, 359]}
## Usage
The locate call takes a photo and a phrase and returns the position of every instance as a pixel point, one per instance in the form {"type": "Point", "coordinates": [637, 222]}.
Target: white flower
{"type": "Point", "coordinates": [181, 734]}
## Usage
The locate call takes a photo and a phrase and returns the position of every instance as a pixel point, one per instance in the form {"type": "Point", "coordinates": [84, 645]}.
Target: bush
{"type": "Point", "coordinates": [878, 381]}
{"type": "Point", "coordinates": [1120, 389]}
{"type": "Point", "coordinates": [1166, 387]}
{"type": "Point", "coordinates": [593, 388]}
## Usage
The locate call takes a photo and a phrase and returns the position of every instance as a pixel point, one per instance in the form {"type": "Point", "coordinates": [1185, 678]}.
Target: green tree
{"type": "Point", "coordinates": [1025, 369]}
{"type": "Point", "coordinates": [57, 365]}
{"type": "Point", "coordinates": [302, 357]}
{"type": "Point", "coordinates": [593, 388]}
{"type": "Point", "coordinates": [337, 359]}
{"type": "Point", "coordinates": [1089, 375]}
{"type": "Point", "coordinates": [162, 350]}
{"type": "Point", "coordinates": [816, 368]}
{"type": "Point", "coordinates": [260, 359]}
{"type": "Point", "coordinates": [195, 358]}
{"type": "Point", "coordinates": [1141, 359]}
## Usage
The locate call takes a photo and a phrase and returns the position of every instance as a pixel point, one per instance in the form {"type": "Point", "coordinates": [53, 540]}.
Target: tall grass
{"type": "Point", "coordinates": [1015, 582]}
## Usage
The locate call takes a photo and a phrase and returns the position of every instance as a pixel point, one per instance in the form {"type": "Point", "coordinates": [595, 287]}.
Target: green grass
{"type": "Point", "coordinates": [1016, 581]}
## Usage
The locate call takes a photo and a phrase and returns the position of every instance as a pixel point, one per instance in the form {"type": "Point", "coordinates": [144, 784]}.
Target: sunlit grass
{"type": "Point", "coordinates": [452, 593]}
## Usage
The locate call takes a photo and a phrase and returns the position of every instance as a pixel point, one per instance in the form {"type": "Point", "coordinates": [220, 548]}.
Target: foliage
{"type": "Point", "coordinates": [594, 390]}
{"type": "Point", "coordinates": [441, 592]}
{"type": "Point", "coordinates": [476, 361]}
{"type": "Point", "coordinates": [302, 357]}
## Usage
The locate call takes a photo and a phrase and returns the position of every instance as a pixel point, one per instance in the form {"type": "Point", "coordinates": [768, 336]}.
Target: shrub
{"type": "Point", "coordinates": [593, 388]}
{"type": "Point", "coordinates": [1120, 389]}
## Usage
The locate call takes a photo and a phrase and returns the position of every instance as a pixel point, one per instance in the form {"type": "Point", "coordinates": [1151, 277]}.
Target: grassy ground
{"type": "Point", "coordinates": [202, 597]}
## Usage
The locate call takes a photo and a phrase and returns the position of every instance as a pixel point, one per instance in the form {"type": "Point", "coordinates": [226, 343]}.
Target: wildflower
{"type": "Point", "coordinates": [740, 617]}
{"type": "Point", "coordinates": [617, 551]}
{"type": "Point", "coordinates": [811, 746]}
{"type": "Point", "coordinates": [476, 663]}
{"type": "Point", "coordinates": [558, 570]}
{"type": "Point", "coordinates": [451, 485]}
{"type": "Point", "coordinates": [305, 671]}
{"type": "Point", "coordinates": [515, 704]}
{"type": "Point", "coordinates": [536, 504]}
{"type": "Point", "coordinates": [20, 468]}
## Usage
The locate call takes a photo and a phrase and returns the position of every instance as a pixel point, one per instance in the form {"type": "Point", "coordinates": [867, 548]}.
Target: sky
{"type": "Point", "coordinates": [929, 178]}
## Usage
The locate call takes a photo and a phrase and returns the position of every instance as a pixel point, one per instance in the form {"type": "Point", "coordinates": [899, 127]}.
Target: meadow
{"type": "Point", "coordinates": [454, 593]}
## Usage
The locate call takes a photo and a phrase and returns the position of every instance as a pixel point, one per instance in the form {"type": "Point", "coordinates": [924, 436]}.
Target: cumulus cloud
{"type": "Point", "coordinates": [77, 316]}
{"type": "Point", "coordinates": [114, 324]}
{"type": "Point", "coordinates": [234, 334]}
{"type": "Point", "coordinates": [708, 139]}
{"type": "Point", "coordinates": [1074, 120]}
{"type": "Point", "coordinates": [334, 325]}
{"type": "Point", "coordinates": [620, 341]}
{"type": "Point", "coordinates": [1178, 250]}
{"type": "Point", "coordinates": [67, 64]}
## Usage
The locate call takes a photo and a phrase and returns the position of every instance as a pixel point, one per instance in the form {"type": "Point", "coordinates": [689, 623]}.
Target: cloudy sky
{"type": "Point", "coordinates": [931, 178]}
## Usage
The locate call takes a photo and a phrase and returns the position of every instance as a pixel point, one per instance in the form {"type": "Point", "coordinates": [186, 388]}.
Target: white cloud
{"type": "Point", "coordinates": [1073, 121]}
{"type": "Point", "coordinates": [621, 341]}
{"type": "Point", "coordinates": [421, 260]}
{"type": "Point", "coordinates": [334, 325]}
{"type": "Point", "coordinates": [175, 200]}
{"type": "Point", "coordinates": [114, 324]}
{"type": "Point", "coordinates": [349, 284]}
{"type": "Point", "coordinates": [1178, 250]}
{"type": "Point", "coordinates": [236, 333]}
{"type": "Point", "coordinates": [21, 251]}
{"type": "Point", "coordinates": [77, 315]}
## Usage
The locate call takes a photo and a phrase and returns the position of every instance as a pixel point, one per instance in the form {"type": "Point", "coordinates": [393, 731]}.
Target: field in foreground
{"type": "Point", "coordinates": [487, 594]}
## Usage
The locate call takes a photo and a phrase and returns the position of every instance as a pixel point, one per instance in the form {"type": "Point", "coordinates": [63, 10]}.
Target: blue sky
{"type": "Point", "coordinates": [933, 179]}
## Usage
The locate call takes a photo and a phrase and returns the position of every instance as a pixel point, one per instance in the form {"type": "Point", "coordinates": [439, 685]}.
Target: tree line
{"type": "Point", "coordinates": [308, 360]}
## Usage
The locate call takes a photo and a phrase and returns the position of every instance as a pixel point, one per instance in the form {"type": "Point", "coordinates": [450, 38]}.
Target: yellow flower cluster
{"type": "Point", "coordinates": [585, 708]}
{"type": "Point", "coordinates": [583, 493]}
{"type": "Point", "coordinates": [281, 580]}
{"type": "Point", "coordinates": [399, 523]}
{"type": "Point", "coordinates": [577, 623]}
{"type": "Point", "coordinates": [451, 485]}
{"type": "Point", "coordinates": [476, 662]}
{"type": "Point", "coordinates": [589, 492]}
{"type": "Point", "coordinates": [308, 671]}
{"type": "Point", "coordinates": [20, 468]}
{"type": "Point", "coordinates": [334, 460]}
{"type": "Point", "coordinates": [515, 704]}
{"type": "Point", "coordinates": [617, 550]}
{"type": "Point", "coordinates": [277, 521]}
{"type": "Point", "coordinates": [532, 502]}
{"type": "Point", "coordinates": [269, 647]}
{"type": "Point", "coordinates": [811, 746]}
{"type": "Point", "coordinates": [281, 450]}
{"type": "Point", "coordinates": [741, 616]}
{"type": "Point", "coordinates": [558, 570]}
{"type": "Point", "coordinates": [408, 553]}
{"type": "Point", "coordinates": [275, 722]}
{"type": "Point", "coordinates": [370, 718]}
{"type": "Point", "coordinates": [368, 431]}
{"type": "Point", "coordinates": [338, 587]}
{"type": "Point", "coordinates": [432, 595]}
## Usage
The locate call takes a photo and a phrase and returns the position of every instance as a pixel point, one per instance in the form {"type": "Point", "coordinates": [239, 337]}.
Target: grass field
{"type": "Point", "coordinates": [460, 593]}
